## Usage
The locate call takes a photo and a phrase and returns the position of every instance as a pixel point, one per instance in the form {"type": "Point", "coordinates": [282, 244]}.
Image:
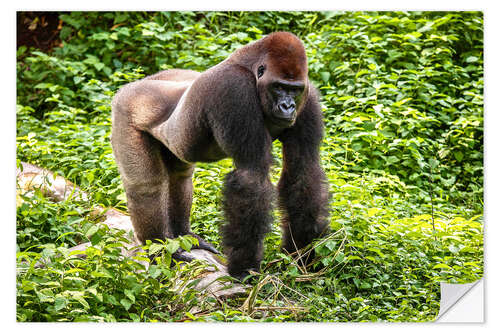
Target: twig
{"type": "Point", "coordinates": [299, 256]}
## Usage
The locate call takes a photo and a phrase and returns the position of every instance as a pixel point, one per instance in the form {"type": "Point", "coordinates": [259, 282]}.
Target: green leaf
{"type": "Point", "coordinates": [78, 79]}
{"type": "Point", "coordinates": [172, 246]}
{"type": "Point", "coordinates": [154, 271]}
{"type": "Point", "coordinates": [458, 155]}
{"type": "Point", "coordinates": [190, 316]}
{"type": "Point", "coordinates": [331, 244]}
{"type": "Point", "coordinates": [433, 163]}
{"type": "Point", "coordinates": [340, 257]}
{"type": "Point", "coordinates": [453, 248]}
{"type": "Point", "coordinates": [392, 160]}
{"type": "Point", "coordinates": [91, 231]}
{"type": "Point", "coordinates": [60, 303]}
{"type": "Point", "coordinates": [155, 248]}
{"type": "Point", "coordinates": [126, 303]}
{"type": "Point", "coordinates": [134, 317]}
{"type": "Point", "coordinates": [82, 301]}
{"type": "Point", "coordinates": [65, 32]}
{"type": "Point", "coordinates": [361, 72]}
{"type": "Point", "coordinates": [95, 238]}
{"type": "Point", "coordinates": [365, 285]}
{"type": "Point", "coordinates": [373, 211]}
{"type": "Point", "coordinates": [102, 273]}
{"type": "Point", "coordinates": [43, 85]}
{"type": "Point", "coordinates": [326, 261]}
{"type": "Point", "coordinates": [444, 266]}
{"type": "Point", "coordinates": [471, 59]}
{"type": "Point", "coordinates": [130, 295]}
{"type": "Point", "coordinates": [185, 243]}
{"type": "Point", "coordinates": [403, 101]}
{"type": "Point", "coordinates": [325, 76]}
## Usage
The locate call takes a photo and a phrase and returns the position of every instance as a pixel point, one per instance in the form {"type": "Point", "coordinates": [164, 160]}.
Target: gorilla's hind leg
{"type": "Point", "coordinates": [145, 181]}
{"type": "Point", "coordinates": [180, 198]}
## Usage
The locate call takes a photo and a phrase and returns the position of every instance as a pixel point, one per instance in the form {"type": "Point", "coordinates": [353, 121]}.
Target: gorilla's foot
{"type": "Point", "coordinates": [203, 244]}
{"type": "Point", "coordinates": [181, 255]}
{"type": "Point", "coordinates": [246, 276]}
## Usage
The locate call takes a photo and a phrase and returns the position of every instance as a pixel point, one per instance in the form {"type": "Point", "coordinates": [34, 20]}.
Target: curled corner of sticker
{"type": "Point", "coordinates": [462, 303]}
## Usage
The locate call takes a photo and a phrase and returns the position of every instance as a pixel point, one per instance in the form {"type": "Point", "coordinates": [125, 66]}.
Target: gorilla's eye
{"type": "Point", "coordinates": [260, 70]}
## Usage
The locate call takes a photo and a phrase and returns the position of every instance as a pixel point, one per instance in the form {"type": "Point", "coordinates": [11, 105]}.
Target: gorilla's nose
{"type": "Point", "coordinates": [287, 107]}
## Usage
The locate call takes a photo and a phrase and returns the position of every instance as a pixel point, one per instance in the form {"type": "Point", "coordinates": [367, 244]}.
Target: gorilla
{"type": "Point", "coordinates": [163, 124]}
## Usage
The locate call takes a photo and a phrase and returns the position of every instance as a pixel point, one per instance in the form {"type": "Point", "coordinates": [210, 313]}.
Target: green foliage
{"type": "Point", "coordinates": [404, 92]}
{"type": "Point", "coordinates": [403, 150]}
{"type": "Point", "coordinates": [40, 221]}
{"type": "Point", "coordinates": [54, 284]}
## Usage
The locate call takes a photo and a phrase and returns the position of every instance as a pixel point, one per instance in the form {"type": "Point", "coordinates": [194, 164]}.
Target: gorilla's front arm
{"type": "Point", "coordinates": [247, 192]}
{"type": "Point", "coordinates": [303, 188]}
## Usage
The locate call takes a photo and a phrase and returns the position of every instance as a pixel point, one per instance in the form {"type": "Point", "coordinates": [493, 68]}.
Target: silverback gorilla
{"type": "Point", "coordinates": [165, 123]}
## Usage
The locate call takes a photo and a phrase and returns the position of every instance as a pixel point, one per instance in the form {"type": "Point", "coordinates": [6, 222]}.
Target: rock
{"type": "Point", "coordinates": [54, 187]}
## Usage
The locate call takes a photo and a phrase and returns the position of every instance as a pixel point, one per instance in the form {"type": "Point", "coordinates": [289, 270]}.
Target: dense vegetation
{"type": "Point", "coordinates": [403, 102]}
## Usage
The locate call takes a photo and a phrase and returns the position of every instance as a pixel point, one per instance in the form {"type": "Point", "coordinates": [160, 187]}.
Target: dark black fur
{"type": "Point", "coordinates": [303, 189]}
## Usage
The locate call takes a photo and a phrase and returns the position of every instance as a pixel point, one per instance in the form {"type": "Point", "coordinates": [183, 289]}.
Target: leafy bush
{"type": "Point", "coordinates": [405, 93]}
{"type": "Point", "coordinates": [105, 285]}
{"type": "Point", "coordinates": [403, 106]}
{"type": "Point", "coordinates": [40, 221]}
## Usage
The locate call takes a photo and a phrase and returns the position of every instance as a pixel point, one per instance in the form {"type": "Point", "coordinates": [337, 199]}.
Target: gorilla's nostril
{"type": "Point", "coordinates": [287, 107]}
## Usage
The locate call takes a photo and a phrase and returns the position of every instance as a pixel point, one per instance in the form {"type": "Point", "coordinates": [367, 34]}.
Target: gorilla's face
{"type": "Point", "coordinates": [286, 96]}
{"type": "Point", "coordinates": [281, 95]}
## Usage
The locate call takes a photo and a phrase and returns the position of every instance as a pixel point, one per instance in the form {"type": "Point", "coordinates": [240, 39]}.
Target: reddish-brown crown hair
{"type": "Point", "coordinates": [287, 55]}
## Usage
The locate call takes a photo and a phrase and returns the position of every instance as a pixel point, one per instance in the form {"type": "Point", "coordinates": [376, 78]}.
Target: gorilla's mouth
{"type": "Point", "coordinates": [286, 120]}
